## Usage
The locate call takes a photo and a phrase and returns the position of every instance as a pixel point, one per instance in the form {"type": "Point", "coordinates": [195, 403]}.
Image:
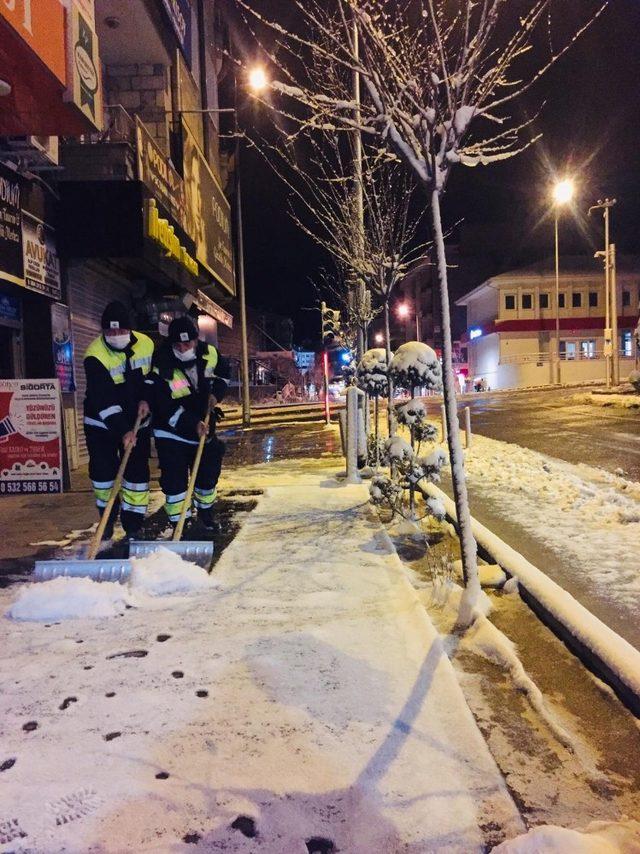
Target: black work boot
{"type": "Point", "coordinates": [208, 522]}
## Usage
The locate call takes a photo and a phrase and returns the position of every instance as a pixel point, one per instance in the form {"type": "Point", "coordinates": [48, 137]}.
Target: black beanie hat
{"type": "Point", "coordinates": [181, 330]}
{"type": "Point", "coordinates": [115, 316]}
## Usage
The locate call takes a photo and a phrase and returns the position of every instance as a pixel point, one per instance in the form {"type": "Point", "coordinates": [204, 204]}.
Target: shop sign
{"type": "Point", "coordinates": [9, 309]}
{"type": "Point", "coordinates": [11, 266]}
{"type": "Point", "coordinates": [162, 232]}
{"type": "Point", "coordinates": [62, 346]}
{"type": "Point", "coordinates": [83, 67]}
{"type": "Point", "coordinates": [87, 8]}
{"type": "Point", "coordinates": [211, 308]}
{"type": "Point", "coordinates": [159, 176]}
{"type": "Point", "coordinates": [41, 262]}
{"type": "Point", "coordinates": [30, 437]}
{"type": "Point", "coordinates": [179, 13]}
{"type": "Point", "coordinates": [40, 23]}
{"type": "Point", "coordinates": [208, 215]}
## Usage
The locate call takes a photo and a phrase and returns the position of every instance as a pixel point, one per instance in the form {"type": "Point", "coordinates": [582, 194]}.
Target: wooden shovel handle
{"type": "Point", "coordinates": [177, 534]}
{"type": "Point", "coordinates": [115, 489]}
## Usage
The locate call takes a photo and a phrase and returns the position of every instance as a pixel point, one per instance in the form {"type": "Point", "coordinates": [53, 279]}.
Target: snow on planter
{"type": "Point", "coordinates": [69, 599]}
{"type": "Point", "coordinates": [373, 372]}
{"type": "Point", "coordinates": [416, 364]}
{"type": "Point", "coordinates": [163, 573]}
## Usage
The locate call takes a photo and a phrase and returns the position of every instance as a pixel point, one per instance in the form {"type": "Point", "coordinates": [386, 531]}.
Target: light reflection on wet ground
{"type": "Point", "coordinates": [284, 442]}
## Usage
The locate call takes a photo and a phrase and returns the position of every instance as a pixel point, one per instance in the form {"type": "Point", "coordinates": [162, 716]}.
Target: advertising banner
{"type": "Point", "coordinates": [30, 437]}
{"type": "Point", "coordinates": [179, 13]}
{"type": "Point", "coordinates": [83, 67]}
{"type": "Point", "coordinates": [41, 24]}
{"type": "Point", "coordinates": [11, 266]}
{"type": "Point", "coordinates": [208, 215]}
{"type": "Point", "coordinates": [10, 310]}
{"type": "Point", "coordinates": [165, 184]}
{"type": "Point", "coordinates": [41, 262]}
{"type": "Point", "coordinates": [62, 346]}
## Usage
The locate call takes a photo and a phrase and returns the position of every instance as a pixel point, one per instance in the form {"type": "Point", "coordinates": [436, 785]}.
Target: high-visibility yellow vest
{"type": "Point", "coordinates": [115, 361]}
{"type": "Point", "coordinates": [179, 384]}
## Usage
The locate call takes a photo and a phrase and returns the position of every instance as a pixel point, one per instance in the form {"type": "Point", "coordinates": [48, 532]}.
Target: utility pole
{"type": "Point", "coordinates": [611, 301]}
{"type": "Point", "coordinates": [615, 361]}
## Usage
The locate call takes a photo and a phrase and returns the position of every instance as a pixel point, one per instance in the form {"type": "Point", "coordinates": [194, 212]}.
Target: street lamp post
{"type": "Point", "coordinates": [610, 295]}
{"type": "Point", "coordinates": [563, 192]}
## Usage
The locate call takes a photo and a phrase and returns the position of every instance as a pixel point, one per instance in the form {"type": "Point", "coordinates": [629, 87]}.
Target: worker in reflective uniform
{"type": "Point", "coordinates": [118, 367]}
{"type": "Point", "coordinates": [188, 376]}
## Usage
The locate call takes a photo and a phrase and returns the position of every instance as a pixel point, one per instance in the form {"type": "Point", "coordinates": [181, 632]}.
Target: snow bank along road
{"type": "Point", "coordinates": [580, 525]}
{"type": "Point", "coordinates": [306, 697]}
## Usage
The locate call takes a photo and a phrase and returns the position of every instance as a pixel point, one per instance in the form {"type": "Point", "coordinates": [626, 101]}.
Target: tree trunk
{"type": "Point", "coordinates": [467, 540]}
{"type": "Point", "coordinates": [387, 338]}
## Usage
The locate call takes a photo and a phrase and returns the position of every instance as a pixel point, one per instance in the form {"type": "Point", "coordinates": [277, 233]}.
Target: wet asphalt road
{"type": "Point", "coordinates": [552, 423]}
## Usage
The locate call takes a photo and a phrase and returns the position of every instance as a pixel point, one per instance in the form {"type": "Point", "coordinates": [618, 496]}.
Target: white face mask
{"type": "Point", "coordinates": [186, 356]}
{"type": "Point", "coordinates": [118, 342]}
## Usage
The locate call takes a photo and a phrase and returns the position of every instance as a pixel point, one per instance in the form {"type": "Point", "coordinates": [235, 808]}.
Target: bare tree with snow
{"type": "Point", "coordinates": [439, 81]}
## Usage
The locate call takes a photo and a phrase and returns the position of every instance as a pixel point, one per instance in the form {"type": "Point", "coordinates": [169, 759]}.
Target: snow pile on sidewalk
{"type": "Point", "coordinates": [162, 573]}
{"type": "Point", "coordinates": [308, 698]}
{"type": "Point", "coordinates": [69, 599]}
{"type": "Point", "coordinates": [622, 401]}
{"type": "Point", "coordinates": [600, 837]}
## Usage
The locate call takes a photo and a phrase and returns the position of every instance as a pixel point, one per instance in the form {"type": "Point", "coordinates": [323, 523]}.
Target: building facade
{"type": "Point", "coordinates": [511, 324]}
{"type": "Point", "coordinates": [122, 194]}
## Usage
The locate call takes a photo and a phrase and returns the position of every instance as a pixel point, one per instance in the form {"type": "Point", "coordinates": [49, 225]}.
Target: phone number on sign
{"type": "Point", "coordinates": [21, 487]}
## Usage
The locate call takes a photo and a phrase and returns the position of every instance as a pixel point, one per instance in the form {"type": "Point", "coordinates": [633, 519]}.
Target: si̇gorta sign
{"type": "Point", "coordinates": [30, 437]}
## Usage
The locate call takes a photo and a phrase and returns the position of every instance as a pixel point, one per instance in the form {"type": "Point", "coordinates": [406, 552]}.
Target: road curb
{"type": "Point", "coordinates": [604, 652]}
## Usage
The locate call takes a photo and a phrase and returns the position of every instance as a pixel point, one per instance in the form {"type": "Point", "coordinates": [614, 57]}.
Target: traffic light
{"type": "Point", "coordinates": [330, 325]}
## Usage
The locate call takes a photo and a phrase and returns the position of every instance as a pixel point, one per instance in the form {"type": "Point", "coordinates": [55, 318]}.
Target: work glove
{"type": "Point", "coordinates": [217, 415]}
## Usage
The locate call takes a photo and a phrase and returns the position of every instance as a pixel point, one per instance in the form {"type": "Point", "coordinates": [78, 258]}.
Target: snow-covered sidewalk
{"type": "Point", "coordinates": [306, 697]}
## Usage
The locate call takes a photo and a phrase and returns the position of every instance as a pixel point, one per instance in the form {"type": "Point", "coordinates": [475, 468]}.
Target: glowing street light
{"type": "Point", "coordinates": [403, 310]}
{"type": "Point", "coordinates": [379, 338]}
{"type": "Point", "coordinates": [258, 81]}
{"type": "Point", "coordinates": [563, 192]}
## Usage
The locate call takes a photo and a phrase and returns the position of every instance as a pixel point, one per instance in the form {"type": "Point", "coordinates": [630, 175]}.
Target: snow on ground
{"type": "Point", "coordinates": [161, 573]}
{"type": "Point", "coordinates": [600, 837]}
{"type": "Point", "coordinates": [308, 694]}
{"type": "Point", "coordinates": [588, 516]}
{"type": "Point", "coordinates": [623, 401]}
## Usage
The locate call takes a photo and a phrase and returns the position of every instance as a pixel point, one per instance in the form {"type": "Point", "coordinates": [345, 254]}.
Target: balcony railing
{"type": "Point", "coordinates": [106, 156]}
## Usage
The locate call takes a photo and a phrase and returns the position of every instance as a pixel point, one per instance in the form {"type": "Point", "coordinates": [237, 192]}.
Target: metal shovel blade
{"type": "Point", "coordinates": [199, 552]}
{"type": "Point", "coordinates": [98, 570]}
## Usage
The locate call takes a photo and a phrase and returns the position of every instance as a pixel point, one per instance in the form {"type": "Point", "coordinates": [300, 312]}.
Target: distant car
{"type": "Point", "coordinates": [336, 389]}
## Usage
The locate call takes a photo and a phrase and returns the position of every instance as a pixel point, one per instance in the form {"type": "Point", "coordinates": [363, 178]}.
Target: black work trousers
{"type": "Point", "coordinates": [176, 460]}
{"type": "Point", "coordinates": [105, 454]}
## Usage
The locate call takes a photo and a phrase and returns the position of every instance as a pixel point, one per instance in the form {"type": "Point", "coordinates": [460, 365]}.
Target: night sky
{"type": "Point", "coordinates": [591, 129]}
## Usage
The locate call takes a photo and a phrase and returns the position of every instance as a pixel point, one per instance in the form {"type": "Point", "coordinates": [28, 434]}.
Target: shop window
{"type": "Point", "coordinates": [626, 340]}
{"type": "Point", "coordinates": [588, 349]}
{"type": "Point", "coordinates": [527, 301]}
{"type": "Point", "coordinates": [576, 300]}
{"type": "Point", "coordinates": [626, 298]}
{"type": "Point", "coordinates": [568, 350]}
{"type": "Point", "coordinates": [510, 302]}
{"type": "Point", "coordinates": [544, 300]}
{"type": "Point", "coordinates": [593, 299]}
{"type": "Point", "coordinates": [561, 300]}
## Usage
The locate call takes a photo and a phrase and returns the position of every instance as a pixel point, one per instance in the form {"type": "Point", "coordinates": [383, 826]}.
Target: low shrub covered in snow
{"type": "Point", "coordinates": [416, 365]}
{"type": "Point", "coordinates": [373, 372]}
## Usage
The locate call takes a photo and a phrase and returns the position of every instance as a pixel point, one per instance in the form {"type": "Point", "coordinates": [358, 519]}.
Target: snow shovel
{"type": "Point", "coordinates": [199, 552]}
{"type": "Point", "coordinates": [108, 569]}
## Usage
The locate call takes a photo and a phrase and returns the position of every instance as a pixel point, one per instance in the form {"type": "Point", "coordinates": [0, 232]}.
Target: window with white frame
{"type": "Point", "coordinates": [527, 302]}
{"type": "Point", "coordinates": [510, 302]}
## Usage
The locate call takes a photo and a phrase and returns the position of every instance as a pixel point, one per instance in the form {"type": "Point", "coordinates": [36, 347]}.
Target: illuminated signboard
{"type": "Point", "coordinates": [474, 333]}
